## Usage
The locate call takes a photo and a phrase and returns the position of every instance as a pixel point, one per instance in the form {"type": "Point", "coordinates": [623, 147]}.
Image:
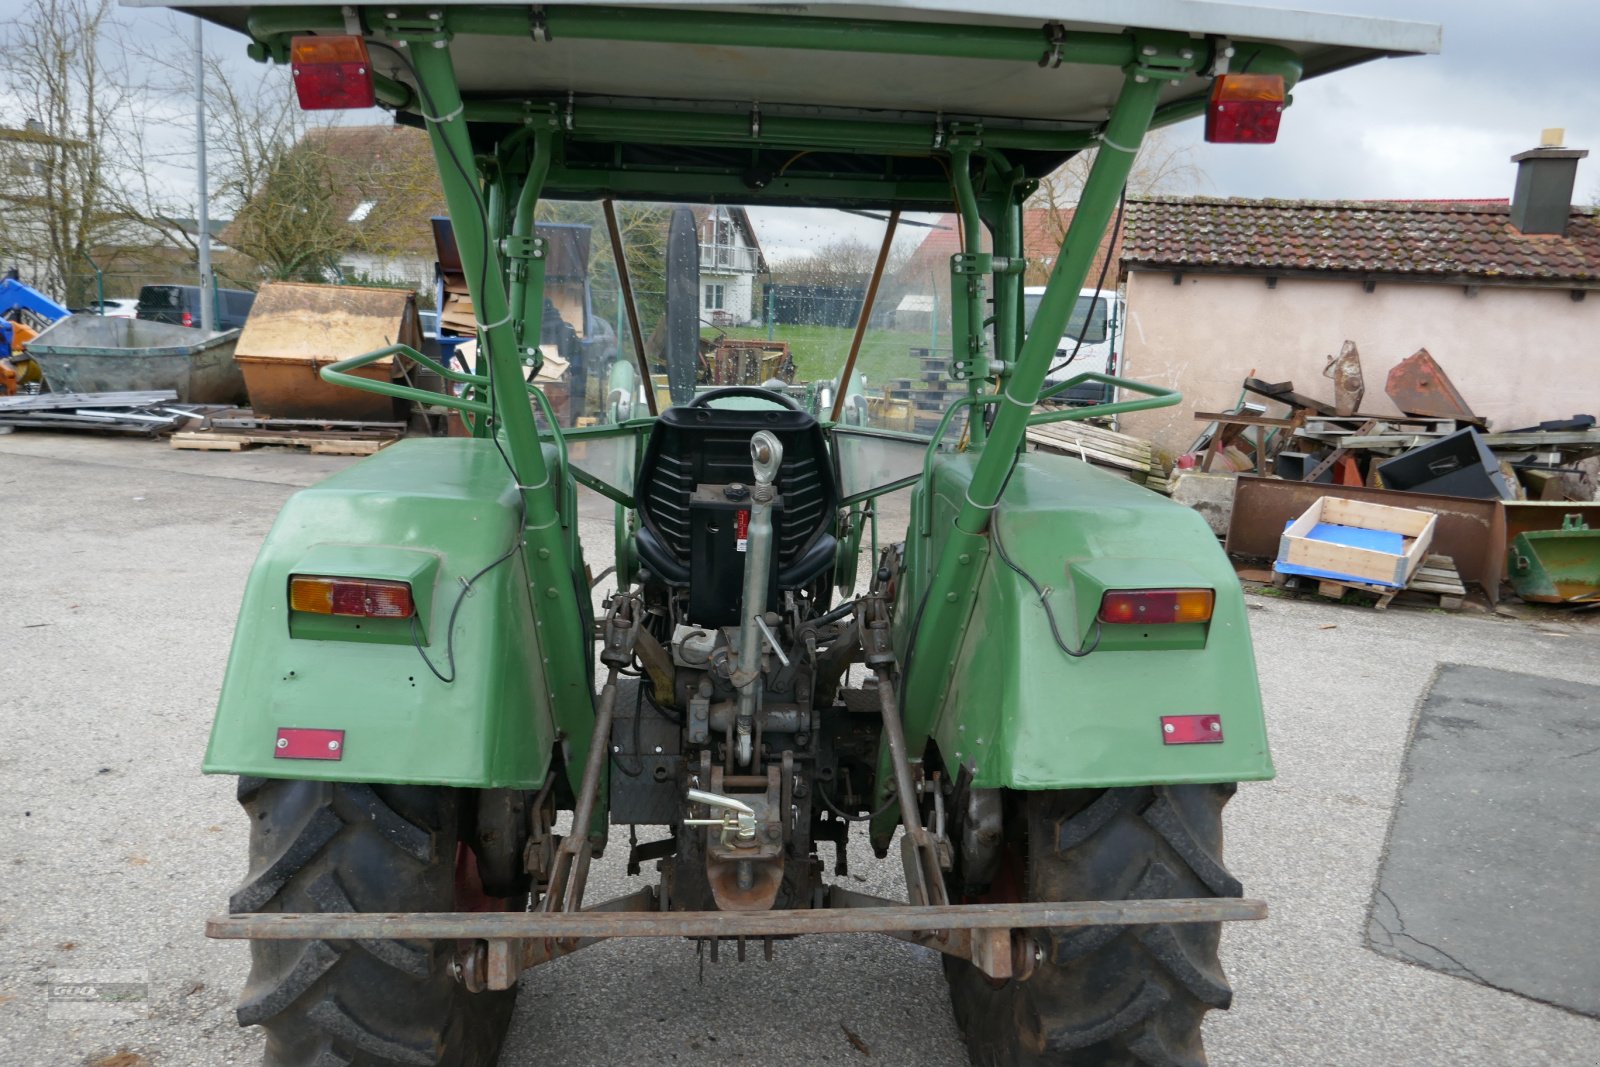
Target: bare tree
{"type": "Point", "coordinates": [1163, 166]}
{"type": "Point", "coordinates": [845, 260]}
{"type": "Point", "coordinates": [67, 199]}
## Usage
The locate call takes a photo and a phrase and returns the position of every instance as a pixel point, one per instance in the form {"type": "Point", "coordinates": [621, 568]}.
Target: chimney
{"type": "Point", "coordinates": [1542, 202]}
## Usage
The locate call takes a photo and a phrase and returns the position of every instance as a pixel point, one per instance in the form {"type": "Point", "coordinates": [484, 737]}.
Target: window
{"type": "Point", "coordinates": [714, 297]}
{"type": "Point", "coordinates": [1096, 316]}
{"type": "Point", "coordinates": [362, 210]}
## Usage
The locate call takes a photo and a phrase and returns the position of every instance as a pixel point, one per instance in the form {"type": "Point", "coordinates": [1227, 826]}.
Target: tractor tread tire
{"type": "Point", "coordinates": [1109, 996]}
{"type": "Point", "coordinates": [340, 847]}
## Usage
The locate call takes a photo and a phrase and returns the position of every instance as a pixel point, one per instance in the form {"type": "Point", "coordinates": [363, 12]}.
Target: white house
{"type": "Point", "coordinates": [730, 259]}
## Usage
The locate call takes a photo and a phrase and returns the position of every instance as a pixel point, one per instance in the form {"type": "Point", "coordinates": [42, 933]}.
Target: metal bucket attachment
{"type": "Point", "coordinates": [1557, 566]}
{"type": "Point", "coordinates": [296, 329]}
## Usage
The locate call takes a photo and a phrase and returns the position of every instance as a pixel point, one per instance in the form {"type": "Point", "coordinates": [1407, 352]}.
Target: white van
{"type": "Point", "coordinates": [1100, 351]}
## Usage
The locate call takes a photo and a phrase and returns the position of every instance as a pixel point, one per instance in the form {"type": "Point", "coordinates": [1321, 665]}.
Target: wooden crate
{"type": "Point", "coordinates": [1298, 549]}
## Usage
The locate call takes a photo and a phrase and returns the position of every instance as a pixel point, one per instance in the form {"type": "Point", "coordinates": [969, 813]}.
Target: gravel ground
{"type": "Point", "coordinates": [125, 563]}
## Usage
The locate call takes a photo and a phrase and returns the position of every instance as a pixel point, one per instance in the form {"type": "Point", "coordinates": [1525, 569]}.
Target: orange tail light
{"type": "Point", "coordinates": [359, 597]}
{"type": "Point", "coordinates": [1153, 606]}
{"type": "Point", "coordinates": [331, 72]}
{"type": "Point", "coordinates": [1245, 109]}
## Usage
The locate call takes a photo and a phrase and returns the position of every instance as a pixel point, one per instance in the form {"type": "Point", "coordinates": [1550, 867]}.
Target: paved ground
{"type": "Point", "coordinates": [124, 563]}
{"type": "Point", "coordinates": [1491, 866]}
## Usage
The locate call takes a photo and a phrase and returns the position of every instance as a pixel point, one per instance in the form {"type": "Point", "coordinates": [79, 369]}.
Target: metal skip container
{"type": "Point", "coordinates": [96, 354]}
{"type": "Point", "coordinates": [295, 329]}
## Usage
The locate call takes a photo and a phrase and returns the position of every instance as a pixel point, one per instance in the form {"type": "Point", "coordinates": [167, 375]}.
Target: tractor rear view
{"type": "Point", "coordinates": [1038, 697]}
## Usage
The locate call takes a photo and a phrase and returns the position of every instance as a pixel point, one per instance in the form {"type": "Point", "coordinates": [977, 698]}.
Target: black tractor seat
{"type": "Point", "coordinates": [697, 451]}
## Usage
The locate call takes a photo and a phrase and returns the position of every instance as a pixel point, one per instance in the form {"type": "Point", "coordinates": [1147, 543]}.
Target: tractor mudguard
{"type": "Point", "coordinates": [1022, 713]}
{"type": "Point", "coordinates": [433, 513]}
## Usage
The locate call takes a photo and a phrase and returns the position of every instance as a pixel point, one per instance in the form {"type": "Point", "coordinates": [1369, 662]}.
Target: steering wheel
{"type": "Point", "coordinates": [755, 392]}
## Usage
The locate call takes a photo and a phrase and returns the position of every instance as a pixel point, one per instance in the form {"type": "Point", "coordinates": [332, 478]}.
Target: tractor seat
{"type": "Point", "coordinates": [700, 445]}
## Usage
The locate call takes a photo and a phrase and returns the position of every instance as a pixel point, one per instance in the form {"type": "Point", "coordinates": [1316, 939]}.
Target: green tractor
{"type": "Point", "coordinates": [1041, 697]}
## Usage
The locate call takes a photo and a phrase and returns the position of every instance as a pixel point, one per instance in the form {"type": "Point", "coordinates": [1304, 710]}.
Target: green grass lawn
{"type": "Point", "coordinates": [820, 351]}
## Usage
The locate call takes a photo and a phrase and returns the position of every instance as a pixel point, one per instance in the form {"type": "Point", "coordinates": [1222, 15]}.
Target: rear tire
{"type": "Point", "coordinates": [336, 847]}
{"type": "Point", "coordinates": [1107, 996]}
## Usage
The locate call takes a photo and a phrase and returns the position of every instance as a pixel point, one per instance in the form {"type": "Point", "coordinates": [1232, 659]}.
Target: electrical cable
{"type": "Point", "coordinates": [831, 806]}
{"type": "Point", "coordinates": [482, 220]}
{"type": "Point", "coordinates": [1044, 600]}
{"type": "Point", "coordinates": [483, 281]}
{"type": "Point", "coordinates": [838, 612]}
{"type": "Point", "coordinates": [1105, 264]}
{"type": "Point", "coordinates": [450, 629]}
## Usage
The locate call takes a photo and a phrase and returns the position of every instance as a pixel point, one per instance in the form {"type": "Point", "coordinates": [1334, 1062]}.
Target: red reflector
{"type": "Point", "coordinates": [1144, 607]}
{"type": "Point", "coordinates": [331, 72]}
{"type": "Point", "coordinates": [1244, 109]}
{"type": "Point", "coordinates": [1191, 729]}
{"type": "Point", "coordinates": [294, 743]}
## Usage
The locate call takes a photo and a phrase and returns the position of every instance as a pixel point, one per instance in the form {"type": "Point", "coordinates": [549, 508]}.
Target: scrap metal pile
{"type": "Point", "coordinates": [1436, 444]}
{"type": "Point", "coordinates": [147, 412]}
{"type": "Point", "coordinates": [1515, 504]}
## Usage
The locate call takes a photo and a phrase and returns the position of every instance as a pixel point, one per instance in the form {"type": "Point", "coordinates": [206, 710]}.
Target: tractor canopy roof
{"type": "Point", "coordinates": [712, 88]}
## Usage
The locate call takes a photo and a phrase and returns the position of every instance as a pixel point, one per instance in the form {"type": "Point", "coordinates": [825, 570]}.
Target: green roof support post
{"type": "Point", "coordinates": [969, 358]}
{"type": "Point", "coordinates": [1006, 205]}
{"type": "Point", "coordinates": [953, 582]}
{"type": "Point", "coordinates": [526, 253]}
{"type": "Point", "coordinates": [563, 635]}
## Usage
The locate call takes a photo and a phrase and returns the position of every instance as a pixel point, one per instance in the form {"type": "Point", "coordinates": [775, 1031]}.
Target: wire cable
{"type": "Point", "coordinates": [1044, 599]}
{"type": "Point", "coordinates": [450, 629]}
{"type": "Point", "coordinates": [1105, 265]}
{"type": "Point", "coordinates": [831, 806]}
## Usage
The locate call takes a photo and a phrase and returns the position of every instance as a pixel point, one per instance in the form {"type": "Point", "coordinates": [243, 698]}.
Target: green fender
{"type": "Point", "coordinates": [435, 513]}
{"type": "Point", "coordinates": [1020, 713]}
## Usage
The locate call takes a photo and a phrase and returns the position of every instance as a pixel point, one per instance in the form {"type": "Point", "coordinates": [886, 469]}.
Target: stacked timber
{"type": "Point", "coordinates": [1103, 447]}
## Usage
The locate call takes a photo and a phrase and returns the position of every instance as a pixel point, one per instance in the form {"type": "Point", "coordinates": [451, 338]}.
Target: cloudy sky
{"type": "Point", "coordinates": [1439, 126]}
{"type": "Point", "coordinates": [1431, 126]}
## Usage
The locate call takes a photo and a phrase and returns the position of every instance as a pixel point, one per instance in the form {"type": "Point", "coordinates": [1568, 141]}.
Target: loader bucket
{"type": "Point", "coordinates": [1557, 566]}
{"type": "Point", "coordinates": [295, 330]}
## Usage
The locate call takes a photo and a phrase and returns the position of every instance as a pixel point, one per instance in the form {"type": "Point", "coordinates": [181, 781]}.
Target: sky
{"type": "Point", "coordinates": [1424, 127]}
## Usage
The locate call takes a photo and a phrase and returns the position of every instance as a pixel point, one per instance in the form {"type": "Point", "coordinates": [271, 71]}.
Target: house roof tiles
{"type": "Point", "coordinates": [1422, 238]}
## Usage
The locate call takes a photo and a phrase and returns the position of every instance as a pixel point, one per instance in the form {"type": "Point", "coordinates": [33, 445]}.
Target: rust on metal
{"type": "Point", "coordinates": [1472, 532]}
{"type": "Point", "coordinates": [1524, 516]}
{"type": "Point", "coordinates": [295, 329]}
{"type": "Point", "coordinates": [1419, 386]}
{"type": "Point", "coordinates": [885, 917]}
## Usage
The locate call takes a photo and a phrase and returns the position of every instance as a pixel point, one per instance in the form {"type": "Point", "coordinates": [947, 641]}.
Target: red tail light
{"type": "Point", "coordinates": [331, 72]}
{"type": "Point", "coordinates": [1245, 109]}
{"type": "Point", "coordinates": [360, 597]}
{"type": "Point", "coordinates": [188, 319]}
{"type": "Point", "coordinates": [1153, 606]}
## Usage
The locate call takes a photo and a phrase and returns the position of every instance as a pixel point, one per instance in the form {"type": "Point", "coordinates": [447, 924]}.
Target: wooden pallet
{"type": "Point", "coordinates": [1436, 582]}
{"type": "Point", "coordinates": [315, 443]}
{"type": "Point", "coordinates": [1094, 444]}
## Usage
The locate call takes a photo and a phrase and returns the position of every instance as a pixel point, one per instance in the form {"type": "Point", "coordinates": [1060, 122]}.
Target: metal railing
{"type": "Point", "coordinates": [727, 257]}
